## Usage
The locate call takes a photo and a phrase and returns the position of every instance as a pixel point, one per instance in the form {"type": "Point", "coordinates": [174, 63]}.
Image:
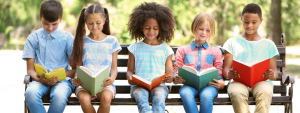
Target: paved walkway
{"type": "Point", "coordinates": [13, 68]}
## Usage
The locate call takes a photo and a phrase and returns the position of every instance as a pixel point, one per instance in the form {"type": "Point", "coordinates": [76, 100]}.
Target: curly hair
{"type": "Point", "coordinates": [163, 15]}
{"type": "Point", "coordinates": [252, 8]}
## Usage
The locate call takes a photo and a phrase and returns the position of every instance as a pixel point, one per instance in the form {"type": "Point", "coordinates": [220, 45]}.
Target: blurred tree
{"type": "Point", "coordinates": [275, 22]}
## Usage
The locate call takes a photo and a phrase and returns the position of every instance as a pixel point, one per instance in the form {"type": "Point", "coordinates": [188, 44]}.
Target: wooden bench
{"type": "Point", "coordinates": [281, 95]}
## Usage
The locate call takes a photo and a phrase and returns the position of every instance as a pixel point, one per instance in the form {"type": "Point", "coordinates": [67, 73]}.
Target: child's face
{"type": "Point", "coordinates": [95, 23]}
{"type": "Point", "coordinates": [150, 29]}
{"type": "Point", "coordinates": [203, 32]}
{"type": "Point", "coordinates": [251, 22]}
{"type": "Point", "coordinates": [50, 26]}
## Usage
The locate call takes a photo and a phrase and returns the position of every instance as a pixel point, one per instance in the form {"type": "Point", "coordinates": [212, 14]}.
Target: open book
{"type": "Point", "coordinates": [250, 74]}
{"type": "Point", "coordinates": [197, 80]}
{"type": "Point", "coordinates": [59, 72]}
{"type": "Point", "coordinates": [92, 82]}
{"type": "Point", "coordinates": [156, 81]}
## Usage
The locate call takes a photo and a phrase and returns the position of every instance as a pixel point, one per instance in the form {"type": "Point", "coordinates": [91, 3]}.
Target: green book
{"type": "Point", "coordinates": [198, 80]}
{"type": "Point", "coordinates": [92, 82]}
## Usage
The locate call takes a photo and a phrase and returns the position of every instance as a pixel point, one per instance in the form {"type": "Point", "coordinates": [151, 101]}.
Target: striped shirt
{"type": "Point", "coordinates": [50, 50]}
{"type": "Point", "coordinates": [150, 60]}
{"type": "Point", "coordinates": [200, 57]}
{"type": "Point", "coordinates": [98, 54]}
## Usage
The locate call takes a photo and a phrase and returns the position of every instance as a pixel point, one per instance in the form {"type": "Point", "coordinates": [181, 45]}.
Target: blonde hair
{"type": "Point", "coordinates": [200, 19]}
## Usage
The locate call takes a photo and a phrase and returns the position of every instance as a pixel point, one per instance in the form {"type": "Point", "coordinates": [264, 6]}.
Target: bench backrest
{"type": "Point", "coordinates": [279, 88]}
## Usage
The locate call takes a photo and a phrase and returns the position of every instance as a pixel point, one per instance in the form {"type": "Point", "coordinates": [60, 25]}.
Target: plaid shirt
{"type": "Point", "coordinates": [200, 57]}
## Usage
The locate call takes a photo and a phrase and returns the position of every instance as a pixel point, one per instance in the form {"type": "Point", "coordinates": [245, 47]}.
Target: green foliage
{"type": "Point", "coordinates": [24, 13]}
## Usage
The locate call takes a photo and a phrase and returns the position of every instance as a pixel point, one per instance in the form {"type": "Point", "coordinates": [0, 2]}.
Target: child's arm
{"type": "Point", "coordinates": [272, 73]}
{"type": "Point", "coordinates": [42, 79]}
{"type": "Point", "coordinates": [130, 69]}
{"type": "Point", "coordinates": [113, 71]}
{"type": "Point", "coordinates": [228, 72]}
{"type": "Point", "coordinates": [76, 81]}
{"type": "Point", "coordinates": [179, 57]}
{"type": "Point", "coordinates": [169, 68]}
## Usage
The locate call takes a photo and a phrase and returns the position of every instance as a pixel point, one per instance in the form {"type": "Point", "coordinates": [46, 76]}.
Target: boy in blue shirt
{"type": "Point", "coordinates": [51, 48]}
{"type": "Point", "coordinates": [250, 48]}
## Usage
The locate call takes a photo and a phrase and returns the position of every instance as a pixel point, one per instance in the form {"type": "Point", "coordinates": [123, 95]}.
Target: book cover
{"type": "Point", "coordinates": [198, 80]}
{"type": "Point", "coordinates": [92, 82]}
{"type": "Point", "coordinates": [59, 72]}
{"type": "Point", "coordinates": [251, 74]}
{"type": "Point", "coordinates": [156, 81]}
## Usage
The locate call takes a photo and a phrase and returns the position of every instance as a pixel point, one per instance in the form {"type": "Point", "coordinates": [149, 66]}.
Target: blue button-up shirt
{"type": "Point", "coordinates": [50, 50]}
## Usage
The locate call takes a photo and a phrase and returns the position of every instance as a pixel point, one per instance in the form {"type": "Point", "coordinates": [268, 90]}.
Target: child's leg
{"type": "Point", "coordinates": [105, 99]}
{"type": "Point", "coordinates": [207, 95]}
{"type": "Point", "coordinates": [158, 98]}
{"type": "Point", "coordinates": [59, 96]}
{"type": "Point", "coordinates": [262, 92]}
{"type": "Point", "coordinates": [187, 95]}
{"type": "Point", "coordinates": [84, 98]}
{"type": "Point", "coordinates": [33, 94]}
{"type": "Point", "coordinates": [141, 96]}
{"type": "Point", "coordinates": [239, 94]}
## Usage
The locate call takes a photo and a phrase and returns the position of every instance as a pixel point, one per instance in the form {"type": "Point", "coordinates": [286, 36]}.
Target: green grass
{"type": "Point", "coordinates": [292, 56]}
{"type": "Point", "coordinates": [293, 70]}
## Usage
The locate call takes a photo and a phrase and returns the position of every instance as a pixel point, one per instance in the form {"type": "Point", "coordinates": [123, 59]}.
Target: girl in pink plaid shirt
{"type": "Point", "coordinates": [200, 56]}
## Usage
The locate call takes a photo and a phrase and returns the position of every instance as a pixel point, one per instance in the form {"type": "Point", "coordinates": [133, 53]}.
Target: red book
{"type": "Point", "coordinates": [156, 81]}
{"type": "Point", "coordinates": [251, 74]}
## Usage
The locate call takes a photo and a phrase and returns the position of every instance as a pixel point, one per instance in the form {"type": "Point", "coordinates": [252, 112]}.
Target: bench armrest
{"type": "Point", "coordinates": [27, 79]}
{"type": "Point", "coordinates": [286, 80]}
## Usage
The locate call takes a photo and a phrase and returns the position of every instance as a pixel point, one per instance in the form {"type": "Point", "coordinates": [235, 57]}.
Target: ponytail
{"type": "Point", "coordinates": [78, 42]}
{"type": "Point", "coordinates": [106, 28]}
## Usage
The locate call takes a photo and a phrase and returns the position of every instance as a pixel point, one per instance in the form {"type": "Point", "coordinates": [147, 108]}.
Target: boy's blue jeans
{"type": "Point", "coordinates": [59, 94]}
{"type": "Point", "coordinates": [206, 94]}
{"type": "Point", "coordinates": [158, 96]}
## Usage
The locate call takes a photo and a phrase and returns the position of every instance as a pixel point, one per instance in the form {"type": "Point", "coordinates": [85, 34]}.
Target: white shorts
{"type": "Point", "coordinates": [111, 88]}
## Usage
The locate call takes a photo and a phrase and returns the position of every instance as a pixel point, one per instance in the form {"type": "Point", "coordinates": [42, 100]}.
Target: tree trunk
{"type": "Point", "coordinates": [275, 25]}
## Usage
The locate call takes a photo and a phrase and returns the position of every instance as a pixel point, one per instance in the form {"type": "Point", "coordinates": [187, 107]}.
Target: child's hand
{"type": "Point", "coordinates": [77, 82]}
{"type": "Point", "coordinates": [168, 79]}
{"type": "Point", "coordinates": [49, 82]}
{"type": "Point", "coordinates": [218, 85]}
{"type": "Point", "coordinates": [269, 74]}
{"type": "Point", "coordinates": [232, 74]}
{"type": "Point", "coordinates": [131, 82]}
{"type": "Point", "coordinates": [178, 80]}
{"type": "Point", "coordinates": [108, 81]}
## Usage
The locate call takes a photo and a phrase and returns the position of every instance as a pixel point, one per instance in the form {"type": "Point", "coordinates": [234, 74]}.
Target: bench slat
{"type": "Point", "coordinates": [276, 100]}
{"type": "Point", "coordinates": [122, 62]}
{"type": "Point", "coordinates": [124, 51]}
{"type": "Point", "coordinates": [122, 76]}
{"type": "Point", "coordinates": [125, 89]}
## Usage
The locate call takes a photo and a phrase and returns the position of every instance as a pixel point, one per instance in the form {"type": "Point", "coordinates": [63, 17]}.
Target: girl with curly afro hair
{"type": "Point", "coordinates": [153, 24]}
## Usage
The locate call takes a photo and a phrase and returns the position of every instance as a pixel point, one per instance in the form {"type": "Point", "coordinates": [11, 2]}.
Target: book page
{"type": "Point", "coordinates": [207, 70]}
{"type": "Point", "coordinates": [43, 68]}
{"type": "Point", "coordinates": [87, 71]}
{"type": "Point", "coordinates": [141, 79]}
{"type": "Point", "coordinates": [154, 78]}
{"type": "Point", "coordinates": [102, 69]}
{"type": "Point", "coordinates": [190, 69]}
{"type": "Point", "coordinates": [55, 70]}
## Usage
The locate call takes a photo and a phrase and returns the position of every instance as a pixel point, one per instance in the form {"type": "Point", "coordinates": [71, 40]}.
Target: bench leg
{"type": "Point", "coordinates": [25, 107]}
{"type": "Point", "coordinates": [286, 108]}
{"type": "Point", "coordinates": [291, 108]}
{"type": "Point", "coordinates": [26, 110]}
